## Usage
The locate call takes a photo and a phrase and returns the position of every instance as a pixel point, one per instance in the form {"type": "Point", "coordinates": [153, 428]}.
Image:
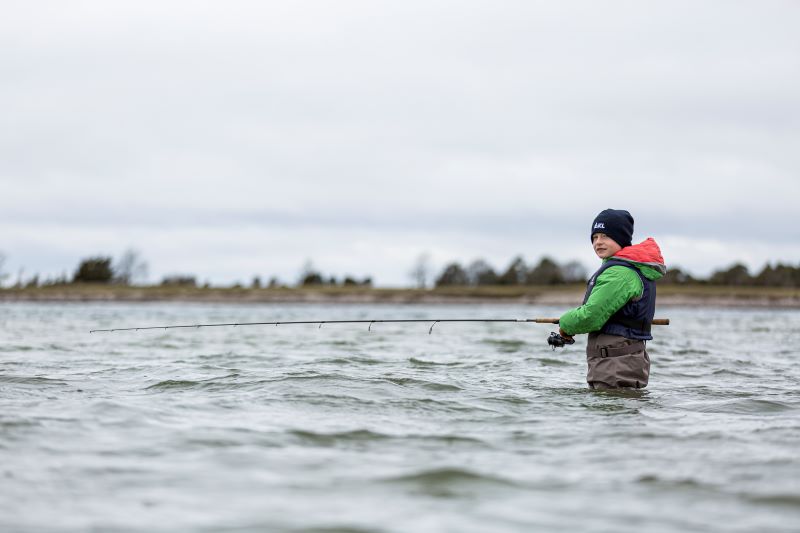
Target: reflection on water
{"type": "Point", "coordinates": [477, 427]}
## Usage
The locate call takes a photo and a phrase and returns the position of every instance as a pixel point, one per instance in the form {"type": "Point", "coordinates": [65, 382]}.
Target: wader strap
{"type": "Point", "coordinates": [628, 349]}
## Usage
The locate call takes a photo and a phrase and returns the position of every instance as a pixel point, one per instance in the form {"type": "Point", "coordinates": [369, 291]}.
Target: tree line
{"type": "Point", "coordinates": [480, 272]}
{"type": "Point", "coordinates": [549, 272]}
{"type": "Point", "coordinates": [738, 275]}
{"type": "Point", "coordinates": [131, 269]}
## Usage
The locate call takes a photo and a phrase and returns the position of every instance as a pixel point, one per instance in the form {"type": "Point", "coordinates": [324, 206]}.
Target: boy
{"type": "Point", "coordinates": [619, 304]}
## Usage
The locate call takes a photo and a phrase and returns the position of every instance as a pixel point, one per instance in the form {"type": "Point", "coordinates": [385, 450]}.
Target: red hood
{"type": "Point", "coordinates": [646, 252]}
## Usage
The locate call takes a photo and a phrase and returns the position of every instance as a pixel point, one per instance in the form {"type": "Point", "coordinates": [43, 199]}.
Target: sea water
{"type": "Point", "coordinates": [474, 427]}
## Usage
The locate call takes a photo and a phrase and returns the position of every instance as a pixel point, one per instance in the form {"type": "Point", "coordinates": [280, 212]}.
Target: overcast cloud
{"type": "Point", "coordinates": [240, 138]}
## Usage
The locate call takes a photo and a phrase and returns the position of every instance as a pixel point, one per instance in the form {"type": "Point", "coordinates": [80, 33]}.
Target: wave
{"type": "Point", "coordinates": [506, 345]}
{"type": "Point", "coordinates": [212, 383]}
{"type": "Point", "coordinates": [366, 435]}
{"type": "Point", "coordinates": [303, 376]}
{"type": "Point", "coordinates": [329, 439]}
{"type": "Point", "coordinates": [514, 400]}
{"type": "Point", "coordinates": [789, 500]}
{"type": "Point", "coordinates": [431, 385]}
{"type": "Point", "coordinates": [11, 423]}
{"type": "Point", "coordinates": [351, 360]}
{"type": "Point", "coordinates": [687, 352]}
{"type": "Point", "coordinates": [16, 348]}
{"type": "Point", "coordinates": [547, 361]}
{"type": "Point", "coordinates": [30, 380]}
{"type": "Point", "coordinates": [173, 384]}
{"type": "Point", "coordinates": [748, 406]}
{"type": "Point", "coordinates": [423, 362]}
{"type": "Point", "coordinates": [653, 479]}
{"type": "Point", "coordinates": [450, 476]}
{"type": "Point", "coordinates": [728, 372]}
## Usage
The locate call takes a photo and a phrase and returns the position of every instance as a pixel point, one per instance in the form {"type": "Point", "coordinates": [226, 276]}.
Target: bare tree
{"type": "Point", "coordinates": [574, 271]}
{"type": "Point", "coordinates": [130, 268]}
{"type": "Point", "coordinates": [479, 272]}
{"type": "Point", "coordinates": [3, 275]}
{"type": "Point", "coordinates": [309, 275]}
{"type": "Point", "coordinates": [421, 271]}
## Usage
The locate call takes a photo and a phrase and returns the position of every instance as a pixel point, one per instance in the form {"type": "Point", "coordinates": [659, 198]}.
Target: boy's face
{"type": "Point", "coordinates": [604, 246]}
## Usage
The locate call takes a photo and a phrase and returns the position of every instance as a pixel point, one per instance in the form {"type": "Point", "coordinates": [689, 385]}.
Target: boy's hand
{"type": "Point", "coordinates": [565, 335]}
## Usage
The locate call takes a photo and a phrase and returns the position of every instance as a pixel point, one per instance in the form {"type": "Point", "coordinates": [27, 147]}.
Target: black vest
{"type": "Point", "coordinates": [634, 319]}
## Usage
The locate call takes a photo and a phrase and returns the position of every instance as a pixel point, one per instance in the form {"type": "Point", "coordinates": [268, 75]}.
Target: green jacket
{"type": "Point", "coordinates": [613, 289]}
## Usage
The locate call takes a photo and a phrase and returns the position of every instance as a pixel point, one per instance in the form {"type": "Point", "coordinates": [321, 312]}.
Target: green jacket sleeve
{"type": "Point", "coordinates": [613, 288]}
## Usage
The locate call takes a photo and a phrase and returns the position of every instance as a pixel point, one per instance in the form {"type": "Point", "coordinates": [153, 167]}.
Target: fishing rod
{"type": "Point", "coordinates": [433, 322]}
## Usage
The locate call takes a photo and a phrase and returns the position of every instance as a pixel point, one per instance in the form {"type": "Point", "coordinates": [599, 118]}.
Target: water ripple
{"type": "Point", "coordinates": [748, 406]}
{"type": "Point", "coordinates": [479, 427]}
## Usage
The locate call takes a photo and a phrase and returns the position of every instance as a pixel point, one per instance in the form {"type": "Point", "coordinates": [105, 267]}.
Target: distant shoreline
{"type": "Point", "coordinates": [567, 295]}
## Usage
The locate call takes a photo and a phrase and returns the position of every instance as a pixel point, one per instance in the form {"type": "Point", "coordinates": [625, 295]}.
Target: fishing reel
{"type": "Point", "coordinates": [557, 341]}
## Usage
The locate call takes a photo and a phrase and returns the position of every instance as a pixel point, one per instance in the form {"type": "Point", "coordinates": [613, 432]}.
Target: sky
{"type": "Point", "coordinates": [241, 138]}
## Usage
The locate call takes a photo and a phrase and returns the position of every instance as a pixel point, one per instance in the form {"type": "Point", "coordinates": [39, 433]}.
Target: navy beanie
{"type": "Point", "coordinates": [616, 223]}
